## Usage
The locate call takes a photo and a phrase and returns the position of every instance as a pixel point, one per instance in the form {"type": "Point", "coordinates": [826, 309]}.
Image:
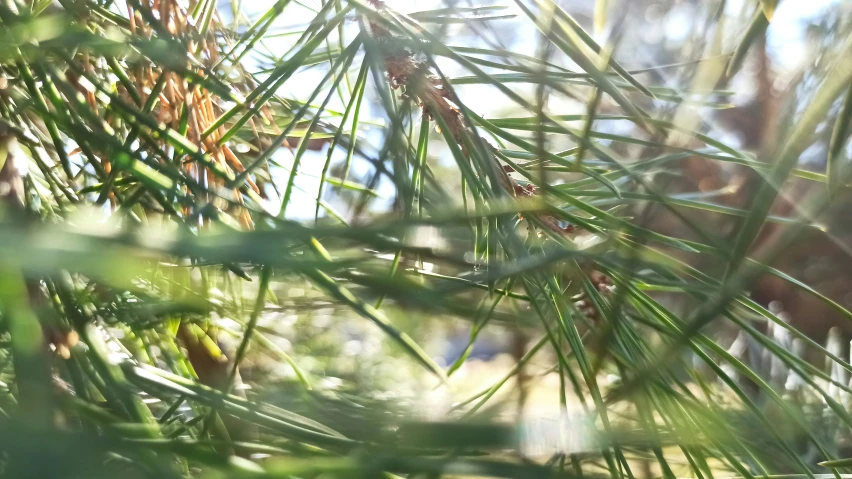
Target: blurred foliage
{"type": "Point", "coordinates": [275, 239]}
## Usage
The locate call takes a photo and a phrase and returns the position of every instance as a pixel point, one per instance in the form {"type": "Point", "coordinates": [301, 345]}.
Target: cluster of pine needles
{"type": "Point", "coordinates": [154, 223]}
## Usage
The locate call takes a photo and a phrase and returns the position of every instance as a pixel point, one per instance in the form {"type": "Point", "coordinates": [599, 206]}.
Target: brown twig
{"type": "Point", "coordinates": [436, 99]}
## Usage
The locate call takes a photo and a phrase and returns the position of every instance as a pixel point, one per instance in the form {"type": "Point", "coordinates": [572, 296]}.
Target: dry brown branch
{"type": "Point", "coordinates": [437, 99]}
